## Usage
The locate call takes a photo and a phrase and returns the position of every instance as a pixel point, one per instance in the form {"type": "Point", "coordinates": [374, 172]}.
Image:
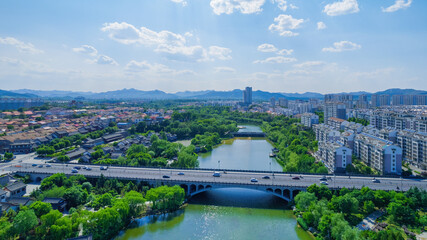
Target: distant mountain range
{"type": "Point", "coordinates": [10, 94]}
{"type": "Point", "coordinates": [235, 94]}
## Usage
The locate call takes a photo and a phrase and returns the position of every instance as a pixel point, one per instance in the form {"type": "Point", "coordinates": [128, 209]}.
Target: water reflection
{"type": "Point", "coordinates": [223, 214]}
{"type": "Point", "coordinates": [239, 197]}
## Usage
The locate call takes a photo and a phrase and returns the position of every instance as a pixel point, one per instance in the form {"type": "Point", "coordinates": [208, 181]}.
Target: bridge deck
{"type": "Point", "coordinates": [231, 178]}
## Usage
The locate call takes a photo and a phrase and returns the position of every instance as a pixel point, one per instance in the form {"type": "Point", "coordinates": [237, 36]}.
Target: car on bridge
{"type": "Point", "coordinates": [166, 176]}
{"type": "Point", "coordinates": [89, 169]}
{"type": "Point", "coordinates": [254, 180]}
{"type": "Point", "coordinates": [376, 180]}
{"type": "Point", "coordinates": [48, 165]}
{"type": "Point", "coordinates": [34, 165]}
{"type": "Point", "coordinates": [324, 183]}
{"type": "Point", "coordinates": [180, 173]}
{"type": "Point", "coordinates": [74, 171]}
{"type": "Point", "coordinates": [296, 178]}
{"type": "Point", "coordinates": [103, 168]}
{"type": "Point", "coordinates": [77, 167]}
{"type": "Point", "coordinates": [216, 174]}
{"type": "Point", "coordinates": [40, 166]}
{"type": "Point", "coordinates": [266, 177]}
{"type": "Point", "coordinates": [323, 178]}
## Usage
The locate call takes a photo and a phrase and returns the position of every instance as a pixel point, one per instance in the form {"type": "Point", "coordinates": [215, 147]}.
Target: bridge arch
{"type": "Point", "coordinates": [277, 192]}
{"type": "Point", "coordinates": [193, 188]}
{"type": "Point", "coordinates": [287, 193]}
{"type": "Point", "coordinates": [295, 192]}
{"type": "Point", "coordinates": [185, 187]}
{"type": "Point", "coordinates": [200, 187]}
{"type": "Point", "coordinates": [39, 179]}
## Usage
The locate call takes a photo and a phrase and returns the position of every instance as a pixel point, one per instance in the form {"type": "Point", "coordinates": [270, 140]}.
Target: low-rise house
{"type": "Point", "coordinates": [3, 195]}
{"type": "Point", "coordinates": [60, 134]}
{"type": "Point", "coordinates": [75, 153]}
{"type": "Point", "coordinates": [93, 142]}
{"type": "Point", "coordinates": [57, 203]}
{"type": "Point", "coordinates": [15, 189]}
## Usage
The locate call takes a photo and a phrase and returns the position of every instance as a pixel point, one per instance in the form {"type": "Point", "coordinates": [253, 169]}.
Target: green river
{"type": "Point", "coordinates": [231, 213]}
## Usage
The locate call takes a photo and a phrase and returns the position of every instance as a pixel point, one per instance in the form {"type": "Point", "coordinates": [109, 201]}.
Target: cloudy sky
{"type": "Point", "coordinates": [174, 45]}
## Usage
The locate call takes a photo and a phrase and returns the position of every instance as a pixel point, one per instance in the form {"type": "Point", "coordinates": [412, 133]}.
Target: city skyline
{"type": "Point", "coordinates": [278, 46]}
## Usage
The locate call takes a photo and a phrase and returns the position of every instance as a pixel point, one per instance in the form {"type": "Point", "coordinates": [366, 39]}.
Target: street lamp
{"type": "Point", "coordinates": [219, 165]}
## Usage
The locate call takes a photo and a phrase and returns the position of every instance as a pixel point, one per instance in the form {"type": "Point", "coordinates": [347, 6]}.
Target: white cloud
{"type": "Point", "coordinates": [97, 58]}
{"type": "Point", "coordinates": [183, 2]}
{"type": "Point", "coordinates": [278, 59]}
{"type": "Point", "coordinates": [285, 52]}
{"type": "Point", "coordinates": [105, 60]}
{"type": "Point", "coordinates": [128, 34]}
{"type": "Point", "coordinates": [284, 25]}
{"type": "Point", "coordinates": [399, 4]}
{"type": "Point", "coordinates": [219, 53]}
{"type": "Point", "coordinates": [21, 46]}
{"type": "Point", "coordinates": [342, 46]}
{"type": "Point", "coordinates": [341, 7]}
{"type": "Point", "coordinates": [229, 6]}
{"type": "Point", "coordinates": [309, 64]}
{"type": "Point", "coordinates": [224, 70]}
{"type": "Point", "coordinates": [86, 49]}
{"type": "Point", "coordinates": [266, 47]}
{"type": "Point", "coordinates": [174, 46]}
{"type": "Point", "coordinates": [281, 4]}
{"type": "Point", "coordinates": [292, 6]}
{"type": "Point", "coordinates": [321, 25]}
{"type": "Point", "coordinates": [155, 68]}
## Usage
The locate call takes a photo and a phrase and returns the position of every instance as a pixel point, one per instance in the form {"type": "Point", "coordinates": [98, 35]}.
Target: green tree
{"type": "Point", "coordinates": [401, 213]}
{"type": "Point", "coordinates": [8, 156]}
{"type": "Point", "coordinates": [87, 186]}
{"type": "Point", "coordinates": [136, 201]}
{"type": "Point", "coordinates": [368, 207]}
{"type": "Point", "coordinates": [75, 196]}
{"type": "Point", "coordinates": [304, 199]}
{"type": "Point", "coordinates": [41, 208]}
{"type": "Point", "coordinates": [24, 221]}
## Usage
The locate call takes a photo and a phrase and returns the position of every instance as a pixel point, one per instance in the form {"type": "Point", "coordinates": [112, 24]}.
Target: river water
{"type": "Point", "coordinates": [231, 213]}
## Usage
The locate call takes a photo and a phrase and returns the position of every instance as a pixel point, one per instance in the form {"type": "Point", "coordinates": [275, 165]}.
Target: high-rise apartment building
{"type": "Point", "coordinates": [397, 100]}
{"type": "Point", "coordinates": [283, 102]}
{"type": "Point", "coordinates": [384, 100]}
{"type": "Point", "coordinates": [333, 109]}
{"type": "Point", "coordinates": [247, 95]}
{"type": "Point", "coordinates": [272, 101]}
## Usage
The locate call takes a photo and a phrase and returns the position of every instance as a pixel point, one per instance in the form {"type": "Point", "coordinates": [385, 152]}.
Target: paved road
{"type": "Point", "coordinates": [231, 177]}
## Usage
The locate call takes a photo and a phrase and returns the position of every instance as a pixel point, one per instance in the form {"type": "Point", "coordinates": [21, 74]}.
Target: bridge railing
{"type": "Point", "coordinates": [294, 185]}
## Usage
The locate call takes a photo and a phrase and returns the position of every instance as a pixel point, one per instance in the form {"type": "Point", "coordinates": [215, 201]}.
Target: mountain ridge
{"type": "Point", "coordinates": [235, 94]}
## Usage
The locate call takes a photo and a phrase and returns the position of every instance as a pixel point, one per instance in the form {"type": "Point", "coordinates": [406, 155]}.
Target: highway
{"type": "Point", "coordinates": [230, 177]}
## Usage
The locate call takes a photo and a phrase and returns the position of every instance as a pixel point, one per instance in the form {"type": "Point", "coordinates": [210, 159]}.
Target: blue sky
{"type": "Point", "coordinates": [175, 45]}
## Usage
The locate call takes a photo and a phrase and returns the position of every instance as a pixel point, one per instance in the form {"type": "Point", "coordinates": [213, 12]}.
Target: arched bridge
{"type": "Point", "coordinates": [285, 193]}
{"type": "Point", "coordinates": [248, 134]}
{"type": "Point", "coordinates": [194, 181]}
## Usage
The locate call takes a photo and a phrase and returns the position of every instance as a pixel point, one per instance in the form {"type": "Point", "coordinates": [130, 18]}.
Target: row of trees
{"type": "Point", "coordinates": [206, 142]}
{"type": "Point", "coordinates": [294, 143]}
{"type": "Point", "coordinates": [156, 155]}
{"type": "Point", "coordinates": [335, 214]}
{"type": "Point", "coordinates": [193, 121]}
{"type": "Point", "coordinates": [115, 202]}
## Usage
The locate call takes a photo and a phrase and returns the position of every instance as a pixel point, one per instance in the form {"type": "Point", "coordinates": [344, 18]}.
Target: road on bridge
{"type": "Point", "coordinates": [232, 177]}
